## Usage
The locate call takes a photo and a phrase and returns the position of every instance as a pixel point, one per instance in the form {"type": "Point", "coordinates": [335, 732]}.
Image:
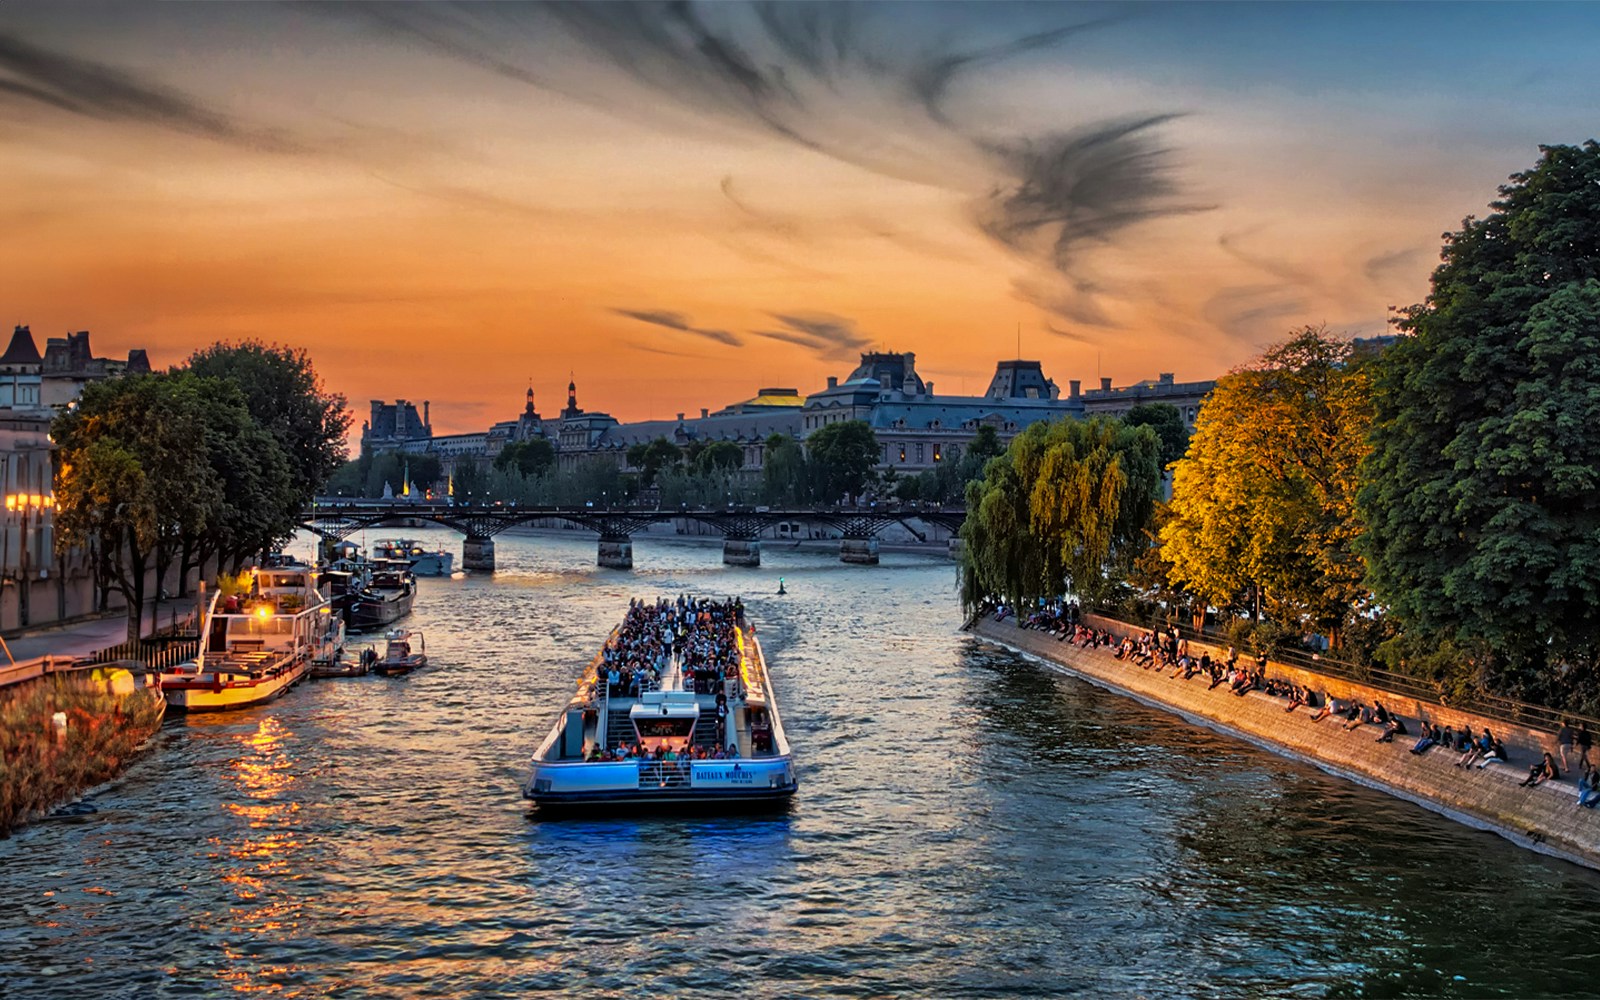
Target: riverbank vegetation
{"type": "Point", "coordinates": [38, 767]}
{"type": "Point", "coordinates": [207, 464]}
{"type": "Point", "coordinates": [1432, 504]}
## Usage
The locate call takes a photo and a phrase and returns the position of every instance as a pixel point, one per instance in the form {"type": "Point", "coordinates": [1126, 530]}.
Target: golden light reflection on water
{"type": "Point", "coordinates": [262, 860]}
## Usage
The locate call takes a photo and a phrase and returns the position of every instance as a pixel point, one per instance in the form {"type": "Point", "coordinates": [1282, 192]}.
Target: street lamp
{"type": "Point", "coordinates": [26, 504]}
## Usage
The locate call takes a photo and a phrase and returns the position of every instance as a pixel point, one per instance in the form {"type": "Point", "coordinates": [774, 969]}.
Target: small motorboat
{"type": "Point", "coordinates": [404, 651]}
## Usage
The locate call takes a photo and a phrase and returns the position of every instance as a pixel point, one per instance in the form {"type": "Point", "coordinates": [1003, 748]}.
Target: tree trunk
{"type": "Point", "coordinates": [185, 561]}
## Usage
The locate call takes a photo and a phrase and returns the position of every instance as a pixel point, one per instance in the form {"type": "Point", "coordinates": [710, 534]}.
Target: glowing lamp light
{"type": "Point", "coordinates": [263, 612]}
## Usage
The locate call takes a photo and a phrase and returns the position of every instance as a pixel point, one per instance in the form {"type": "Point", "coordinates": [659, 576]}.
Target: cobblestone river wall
{"type": "Point", "coordinates": [1543, 818]}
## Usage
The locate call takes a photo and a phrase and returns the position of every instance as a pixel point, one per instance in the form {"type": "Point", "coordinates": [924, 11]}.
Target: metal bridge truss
{"type": "Point", "coordinates": [336, 522]}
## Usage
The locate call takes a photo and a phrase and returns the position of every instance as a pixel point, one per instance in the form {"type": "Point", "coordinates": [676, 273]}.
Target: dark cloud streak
{"type": "Point", "coordinates": [40, 76]}
{"type": "Point", "coordinates": [680, 323]}
{"type": "Point", "coordinates": [816, 74]}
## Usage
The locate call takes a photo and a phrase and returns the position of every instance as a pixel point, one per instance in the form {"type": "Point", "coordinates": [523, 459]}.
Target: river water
{"type": "Point", "coordinates": [968, 824]}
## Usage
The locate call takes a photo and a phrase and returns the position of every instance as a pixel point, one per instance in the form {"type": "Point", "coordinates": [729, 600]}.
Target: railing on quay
{"type": "Point", "coordinates": [28, 670]}
{"type": "Point", "coordinates": [1520, 713]}
{"type": "Point", "coordinates": [159, 652]}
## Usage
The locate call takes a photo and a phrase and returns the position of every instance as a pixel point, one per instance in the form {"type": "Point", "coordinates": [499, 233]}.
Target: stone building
{"type": "Point", "coordinates": [38, 584]}
{"type": "Point", "coordinates": [1116, 402]}
{"type": "Point", "coordinates": [396, 427]}
{"type": "Point", "coordinates": [917, 428]}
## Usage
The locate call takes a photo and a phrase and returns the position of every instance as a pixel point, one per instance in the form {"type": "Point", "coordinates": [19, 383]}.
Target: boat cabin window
{"type": "Point", "coordinates": [674, 734]}
{"type": "Point", "coordinates": [397, 649]}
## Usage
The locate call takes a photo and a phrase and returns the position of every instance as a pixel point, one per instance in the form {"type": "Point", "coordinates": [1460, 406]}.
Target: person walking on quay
{"type": "Point", "coordinates": [1564, 738]}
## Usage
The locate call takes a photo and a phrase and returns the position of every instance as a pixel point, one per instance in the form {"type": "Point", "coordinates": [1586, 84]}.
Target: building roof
{"type": "Point", "coordinates": [22, 351]}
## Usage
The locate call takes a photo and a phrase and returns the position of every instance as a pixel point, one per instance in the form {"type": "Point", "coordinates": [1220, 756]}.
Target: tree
{"type": "Point", "coordinates": [533, 457]}
{"type": "Point", "coordinates": [285, 396]}
{"type": "Point", "coordinates": [650, 458]}
{"type": "Point", "coordinates": [784, 475]}
{"type": "Point", "coordinates": [841, 457]}
{"type": "Point", "coordinates": [1167, 422]}
{"type": "Point", "coordinates": [718, 457]}
{"type": "Point", "coordinates": [1264, 499]}
{"type": "Point", "coordinates": [1480, 494]}
{"type": "Point", "coordinates": [1065, 510]}
{"type": "Point", "coordinates": [132, 478]}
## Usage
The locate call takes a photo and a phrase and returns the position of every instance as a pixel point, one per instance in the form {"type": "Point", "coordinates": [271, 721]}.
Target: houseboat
{"type": "Point", "coordinates": [385, 597]}
{"type": "Point", "coordinates": [423, 561]}
{"type": "Point", "coordinates": [255, 646]}
{"type": "Point", "coordinates": [656, 723]}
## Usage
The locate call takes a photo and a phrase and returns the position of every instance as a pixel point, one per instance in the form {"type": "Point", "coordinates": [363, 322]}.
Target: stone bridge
{"type": "Point", "coordinates": [741, 527]}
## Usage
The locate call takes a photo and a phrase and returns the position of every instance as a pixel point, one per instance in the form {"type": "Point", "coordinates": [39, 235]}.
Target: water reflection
{"type": "Point", "coordinates": [969, 824]}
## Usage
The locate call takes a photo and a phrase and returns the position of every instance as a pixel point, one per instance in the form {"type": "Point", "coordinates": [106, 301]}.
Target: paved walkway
{"type": "Point", "coordinates": [83, 638]}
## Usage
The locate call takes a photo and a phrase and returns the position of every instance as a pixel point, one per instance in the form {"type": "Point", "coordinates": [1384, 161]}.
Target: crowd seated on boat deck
{"type": "Point", "coordinates": [634, 751]}
{"type": "Point", "coordinates": [699, 631]}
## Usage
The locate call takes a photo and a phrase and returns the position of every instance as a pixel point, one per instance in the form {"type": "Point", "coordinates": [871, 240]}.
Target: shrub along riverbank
{"type": "Point", "coordinates": [108, 718]}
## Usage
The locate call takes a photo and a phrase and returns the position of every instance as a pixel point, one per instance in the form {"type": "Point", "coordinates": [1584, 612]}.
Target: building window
{"type": "Point", "coordinates": [920, 453]}
{"type": "Point", "coordinates": [936, 455]}
{"type": "Point", "coordinates": [902, 453]}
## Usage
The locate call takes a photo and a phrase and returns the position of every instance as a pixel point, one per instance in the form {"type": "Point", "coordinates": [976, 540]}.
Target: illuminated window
{"type": "Point", "coordinates": [936, 455]}
{"type": "Point", "coordinates": [902, 453]}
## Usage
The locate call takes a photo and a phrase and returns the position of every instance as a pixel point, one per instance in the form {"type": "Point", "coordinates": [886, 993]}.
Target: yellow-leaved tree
{"type": "Point", "coordinates": [1263, 504]}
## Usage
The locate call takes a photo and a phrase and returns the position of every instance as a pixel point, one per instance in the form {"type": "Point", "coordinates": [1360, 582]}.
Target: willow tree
{"type": "Point", "coordinates": [1063, 510]}
{"type": "Point", "coordinates": [1483, 495]}
{"type": "Point", "coordinates": [1263, 503]}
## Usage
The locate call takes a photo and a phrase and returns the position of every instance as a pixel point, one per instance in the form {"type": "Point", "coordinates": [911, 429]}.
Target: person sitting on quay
{"type": "Point", "coordinates": [1588, 784]}
{"type": "Point", "coordinates": [1356, 715]}
{"type": "Point", "coordinates": [1542, 771]}
{"type": "Point", "coordinates": [1329, 707]}
{"type": "Point", "coordinates": [1425, 742]}
{"type": "Point", "coordinates": [1496, 755]}
{"type": "Point", "coordinates": [1392, 728]}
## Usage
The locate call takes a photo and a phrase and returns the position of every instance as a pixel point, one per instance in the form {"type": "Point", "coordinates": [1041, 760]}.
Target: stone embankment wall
{"type": "Point", "coordinates": [108, 715]}
{"type": "Point", "coordinates": [1544, 818]}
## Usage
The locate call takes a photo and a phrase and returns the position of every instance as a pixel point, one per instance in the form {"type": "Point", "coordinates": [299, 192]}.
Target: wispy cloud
{"type": "Point", "coordinates": [832, 337]}
{"type": "Point", "coordinates": [32, 77]}
{"type": "Point", "coordinates": [850, 83]}
{"type": "Point", "coordinates": [680, 322]}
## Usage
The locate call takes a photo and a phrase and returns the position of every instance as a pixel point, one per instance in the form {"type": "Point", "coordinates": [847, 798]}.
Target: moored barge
{"type": "Point", "coordinates": [677, 709]}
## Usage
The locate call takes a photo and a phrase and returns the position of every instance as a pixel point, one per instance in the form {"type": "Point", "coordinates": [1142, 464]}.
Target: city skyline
{"type": "Point", "coordinates": [445, 202]}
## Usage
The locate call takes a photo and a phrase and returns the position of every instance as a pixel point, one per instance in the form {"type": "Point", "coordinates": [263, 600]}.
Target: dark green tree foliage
{"type": "Point", "coordinates": [650, 458]}
{"type": "Point", "coordinates": [285, 396]}
{"type": "Point", "coordinates": [533, 457]}
{"type": "Point", "coordinates": [718, 457]}
{"type": "Point", "coordinates": [784, 476]}
{"type": "Point", "coordinates": [841, 457]}
{"type": "Point", "coordinates": [1481, 503]}
{"type": "Point", "coordinates": [163, 468]}
{"type": "Point", "coordinates": [1066, 509]}
{"type": "Point", "coordinates": [1167, 422]}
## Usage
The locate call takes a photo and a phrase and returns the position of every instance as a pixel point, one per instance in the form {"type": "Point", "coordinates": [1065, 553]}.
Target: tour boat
{"type": "Point", "coordinates": [612, 746]}
{"type": "Point", "coordinates": [424, 562]}
{"type": "Point", "coordinates": [399, 655]}
{"type": "Point", "coordinates": [385, 598]}
{"type": "Point", "coordinates": [255, 647]}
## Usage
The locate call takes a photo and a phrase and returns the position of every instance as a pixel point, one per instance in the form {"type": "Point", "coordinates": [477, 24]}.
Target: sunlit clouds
{"type": "Point", "coordinates": [676, 203]}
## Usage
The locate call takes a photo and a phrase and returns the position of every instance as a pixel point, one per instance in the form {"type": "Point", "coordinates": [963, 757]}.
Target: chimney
{"type": "Point", "coordinates": [929, 386]}
{"type": "Point", "coordinates": [833, 381]}
{"type": "Point", "coordinates": [425, 421]}
{"type": "Point", "coordinates": [1166, 378]}
{"type": "Point", "coordinates": [680, 418]}
{"type": "Point", "coordinates": [704, 412]}
{"type": "Point", "coordinates": [1105, 385]}
{"type": "Point", "coordinates": [1075, 384]}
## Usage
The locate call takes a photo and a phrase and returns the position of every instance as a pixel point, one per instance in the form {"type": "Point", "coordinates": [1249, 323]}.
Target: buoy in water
{"type": "Point", "coordinates": [781, 591]}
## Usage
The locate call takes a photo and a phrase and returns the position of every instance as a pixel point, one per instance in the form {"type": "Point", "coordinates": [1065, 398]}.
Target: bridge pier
{"type": "Point", "coordinates": [477, 554]}
{"type": "Point", "coordinates": [741, 551]}
{"type": "Point", "coordinates": [957, 546]}
{"type": "Point", "coordinates": [860, 551]}
{"type": "Point", "coordinates": [616, 553]}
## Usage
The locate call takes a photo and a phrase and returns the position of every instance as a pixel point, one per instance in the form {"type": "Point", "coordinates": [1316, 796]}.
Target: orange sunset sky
{"type": "Point", "coordinates": [680, 203]}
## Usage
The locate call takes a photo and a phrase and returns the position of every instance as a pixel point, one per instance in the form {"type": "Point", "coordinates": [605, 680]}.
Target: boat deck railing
{"type": "Point", "coordinates": [666, 774]}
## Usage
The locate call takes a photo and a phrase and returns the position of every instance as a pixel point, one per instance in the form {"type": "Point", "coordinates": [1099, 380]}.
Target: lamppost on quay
{"type": "Point", "coordinates": [26, 504]}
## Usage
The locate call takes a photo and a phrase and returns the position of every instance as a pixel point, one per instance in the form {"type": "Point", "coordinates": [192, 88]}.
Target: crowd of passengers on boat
{"type": "Point", "coordinates": [699, 631]}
